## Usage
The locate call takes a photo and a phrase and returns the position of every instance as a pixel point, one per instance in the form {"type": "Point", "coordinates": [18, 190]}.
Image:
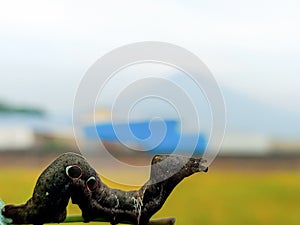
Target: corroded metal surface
{"type": "Point", "coordinates": [71, 176]}
{"type": "Point", "coordinates": [51, 193]}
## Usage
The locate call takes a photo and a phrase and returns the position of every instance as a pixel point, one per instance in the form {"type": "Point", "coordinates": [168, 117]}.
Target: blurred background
{"type": "Point", "coordinates": [251, 47]}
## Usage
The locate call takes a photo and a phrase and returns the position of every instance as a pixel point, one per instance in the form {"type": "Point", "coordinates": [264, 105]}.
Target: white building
{"type": "Point", "coordinates": [16, 138]}
{"type": "Point", "coordinates": [245, 144]}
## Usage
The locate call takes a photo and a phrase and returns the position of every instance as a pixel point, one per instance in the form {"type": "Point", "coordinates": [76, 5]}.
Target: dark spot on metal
{"type": "Point", "coordinates": [92, 184]}
{"type": "Point", "coordinates": [74, 171]}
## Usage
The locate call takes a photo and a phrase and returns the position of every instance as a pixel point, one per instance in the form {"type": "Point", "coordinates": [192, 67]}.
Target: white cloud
{"type": "Point", "coordinates": [251, 46]}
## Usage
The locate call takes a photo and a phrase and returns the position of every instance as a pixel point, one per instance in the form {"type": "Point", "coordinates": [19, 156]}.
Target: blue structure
{"type": "Point", "coordinates": [157, 137]}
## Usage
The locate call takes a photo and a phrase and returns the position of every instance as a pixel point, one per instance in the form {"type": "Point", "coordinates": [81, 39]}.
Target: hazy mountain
{"type": "Point", "coordinates": [244, 114]}
{"type": "Point", "coordinates": [177, 92]}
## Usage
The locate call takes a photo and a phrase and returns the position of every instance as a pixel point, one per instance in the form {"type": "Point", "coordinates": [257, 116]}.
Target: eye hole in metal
{"type": "Point", "coordinates": [92, 184]}
{"type": "Point", "coordinates": [74, 171]}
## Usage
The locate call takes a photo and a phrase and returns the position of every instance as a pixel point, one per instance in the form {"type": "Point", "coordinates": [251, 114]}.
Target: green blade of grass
{"type": "Point", "coordinates": [164, 221]}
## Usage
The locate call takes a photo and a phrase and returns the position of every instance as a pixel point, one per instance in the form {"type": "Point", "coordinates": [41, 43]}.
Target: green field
{"type": "Point", "coordinates": [216, 198]}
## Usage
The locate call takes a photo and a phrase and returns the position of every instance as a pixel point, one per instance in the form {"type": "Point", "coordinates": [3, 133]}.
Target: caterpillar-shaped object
{"type": "Point", "coordinates": [70, 176]}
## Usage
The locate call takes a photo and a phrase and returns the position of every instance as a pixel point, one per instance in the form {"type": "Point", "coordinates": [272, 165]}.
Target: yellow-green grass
{"type": "Point", "coordinates": [216, 198]}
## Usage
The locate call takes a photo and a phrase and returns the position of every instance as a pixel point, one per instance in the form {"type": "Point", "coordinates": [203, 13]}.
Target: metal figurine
{"type": "Point", "coordinates": [70, 176]}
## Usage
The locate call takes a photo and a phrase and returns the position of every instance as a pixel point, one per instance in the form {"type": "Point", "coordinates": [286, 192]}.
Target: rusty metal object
{"type": "Point", "coordinates": [71, 176]}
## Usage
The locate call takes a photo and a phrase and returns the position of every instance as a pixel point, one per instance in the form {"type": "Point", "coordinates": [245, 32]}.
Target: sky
{"type": "Point", "coordinates": [46, 47]}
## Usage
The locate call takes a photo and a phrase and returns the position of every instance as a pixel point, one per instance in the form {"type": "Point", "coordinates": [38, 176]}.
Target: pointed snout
{"type": "Point", "coordinates": [203, 168]}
